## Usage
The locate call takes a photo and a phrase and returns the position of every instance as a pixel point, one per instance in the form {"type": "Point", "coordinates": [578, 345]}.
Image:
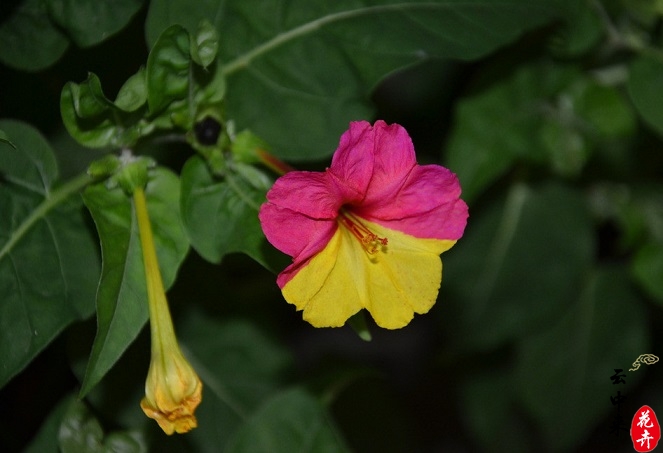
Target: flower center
{"type": "Point", "coordinates": [370, 241]}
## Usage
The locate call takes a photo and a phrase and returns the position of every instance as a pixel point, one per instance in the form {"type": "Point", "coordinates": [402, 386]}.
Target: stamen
{"type": "Point", "coordinates": [370, 241]}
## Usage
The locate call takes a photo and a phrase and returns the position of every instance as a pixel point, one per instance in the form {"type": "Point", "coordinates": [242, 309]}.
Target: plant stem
{"type": "Point", "coordinates": [244, 60]}
{"type": "Point", "coordinates": [161, 324]}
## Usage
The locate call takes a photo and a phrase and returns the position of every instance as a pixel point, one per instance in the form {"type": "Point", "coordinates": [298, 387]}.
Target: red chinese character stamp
{"type": "Point", "coordinates": [645, 429]}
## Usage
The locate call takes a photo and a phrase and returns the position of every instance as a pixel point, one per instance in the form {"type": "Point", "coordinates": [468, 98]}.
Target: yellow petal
{"type": "Point", "coordinates": [401, 279]}
{"type": "Point", "coordinates": [324, 287]}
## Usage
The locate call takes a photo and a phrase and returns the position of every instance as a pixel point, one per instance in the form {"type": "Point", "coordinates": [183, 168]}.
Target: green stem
{"type": "Point", "coordinates": [51, 201]}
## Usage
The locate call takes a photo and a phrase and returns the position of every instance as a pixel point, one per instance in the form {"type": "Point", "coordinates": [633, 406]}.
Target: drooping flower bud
{"type": "Point", "coordinates": [173, 390]}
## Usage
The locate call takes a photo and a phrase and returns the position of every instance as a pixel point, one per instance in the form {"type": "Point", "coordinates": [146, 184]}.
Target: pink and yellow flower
{"type": "Point", "coordinates": [367, 232]}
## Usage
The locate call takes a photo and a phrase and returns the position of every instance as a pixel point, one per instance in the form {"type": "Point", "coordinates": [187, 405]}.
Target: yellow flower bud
{"type": "Point", "coordinates": [173, 390]}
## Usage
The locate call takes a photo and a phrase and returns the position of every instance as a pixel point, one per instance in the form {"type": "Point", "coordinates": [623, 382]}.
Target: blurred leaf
{"type": "Point", "coordinates": [133, 94]}
{"type": "Point", "coordinates": [543, 113]}
{"type": "Point", "coordinates": [542, 236]}
{"type": "Point", "coordinates": [81, 432]}
{"type": "Point", "coordinates": [568, 150]}
{"type": "Point", "coordinates": [168, 67]}
{"type": "Point", "coordinates": [30, 41]}
{"type": "Point", "coordinates": [648, 269]}
{"type": "Point", "coordinates": [605, 110]}
{"type": "Point", "coordinates": [95, 121]}
{"type": "Point", "coordinates": [291, 421]}
{"type": "Point", "coordinates": [647, 12]}
{"type": "Point", "coordinates": [122, 294]}
{"type": "Point", "coordinates": [497, 126]}
{"type": "Point", "coordinates": [242, 361]}
{"type": "Point", "coordinates": [645, 83]}
{"type": "Point", "coordinates": [563, 372]}
{"type": "Point", "coordinates": [48, 258]}
{"type": "Point", "coordinates": [636, 210]}
{"type": "Point", "coordinates": [267, 55]}
{"type": "Point", "coordinates": [581, 32]}
{"type": "Point", "coordinates": [89, 22]}
{"type": "Point", "coordinates": [500, 425]}
{"type": "Point", "coordinates": [228, 208]}
{"type": "Point", "coordinates": [117, 396]}
{"type": "Point", "coordinates": [5, 139]}
{"type": "Point", "coordinates": [240, 367]}
{"type": "Point", "coordinates": [205, 44]}
{"type": "Point", "coordinates": [44, 440]}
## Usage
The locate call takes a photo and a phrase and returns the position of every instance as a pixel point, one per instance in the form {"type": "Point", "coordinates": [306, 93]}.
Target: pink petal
{"type": "Point", "coordinates": [394, 159]}
{"type": "Point", "coordinates": [293, 233]}
{"type": "Point", "coordinates": [310, 193]}
{"type": "Point", "coordinates": [427, 205]}
{"type": "Point", "coordinates": [352, 163]}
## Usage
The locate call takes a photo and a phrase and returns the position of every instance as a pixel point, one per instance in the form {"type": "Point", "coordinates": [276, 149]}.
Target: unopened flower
{"type": "Point", "coordinates": [367, 232]}
{"type": "Point", "coordinates": [173, 390]}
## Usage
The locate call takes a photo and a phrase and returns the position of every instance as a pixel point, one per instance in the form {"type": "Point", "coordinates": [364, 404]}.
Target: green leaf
{"type": "Point", "coordinates": [547, 229]}
{"type": "Point", "coordinates": [5, 139]}
{"type": "Point", "coordinates": [168, 69]}
{"type": "Point", "coordinates": [229, 207]}
{"type": "Point", "coordinates": [48, 258]}
{"type": "Point", "coordinates": [27, 158]}
{"type": "Point", "coordinates": [122, 294]}
{"type": "Point", "coordinates": [95, 121]}
{"type": "Point", "coordinates": [205, 44]}
{"type": "Point", "coordinates": [177, 88]}
{"type": "Point", "coordinates": [240, 367]}
{"type": "Point", "coordinates": [648, 268]}
{"type": "Point", "coordinates": [605, 109]}
{"type": "Point", "coordinates": [267, 55]}
{"type": "Point", "coordinates": [563, 372]}
{"type": "Point", "coordinates": [581, 32]}
{"type": "Point", "coordinates": [291, 421]}
{"type": "Point", "coordinates": [30, 41]}
{"type": "Point", "coordinates": [133, 94]}
{"type": "Point", "coordinates": [645, 83]}
{"type": "Point", "coordinates": [89, 22]}
{"type": "Point", "coordinates": [81, 432]}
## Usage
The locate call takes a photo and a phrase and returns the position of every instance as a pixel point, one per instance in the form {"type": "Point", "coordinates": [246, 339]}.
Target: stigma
{"type": "Point", "coordinates": [370, 241]}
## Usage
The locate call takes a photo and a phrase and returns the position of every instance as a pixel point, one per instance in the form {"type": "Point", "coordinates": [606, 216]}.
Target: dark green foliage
{"type": "Point", "coordinates": [552, 121]}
